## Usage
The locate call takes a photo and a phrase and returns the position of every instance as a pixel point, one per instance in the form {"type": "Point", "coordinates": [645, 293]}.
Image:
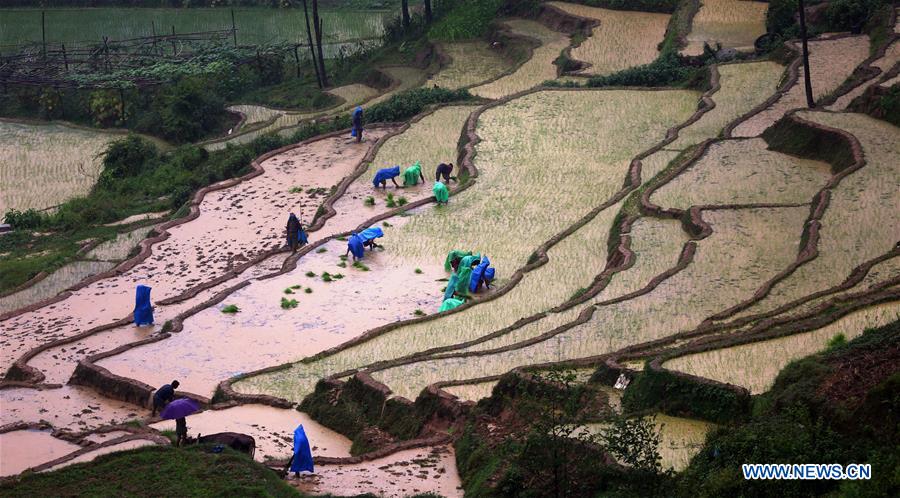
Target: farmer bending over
{"type": "Point", "coordinates": [385, 174]}
{"type": "Point", "coordinates": [163, 396]}
{"type": "Point", "coordinates": [443, 170]}
{"type": "Point", "coordinates": [412, 175]}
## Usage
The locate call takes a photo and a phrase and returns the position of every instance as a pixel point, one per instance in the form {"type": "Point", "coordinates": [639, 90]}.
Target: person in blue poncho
{"type": "Point", "coordinates": [296, 236]}
{"type": "Point", "coordinates": [482, 274]}
{"type": "Point", "coordinates": [357, 129]}
{"type": "Point", "coordinates": [143, 311]}
{"type": "Point", "coordinates": [302, 460]}
{"type": "Point", "coordinates": [385, 174]}
{"type": "Point", "coordinates": [358, 242]}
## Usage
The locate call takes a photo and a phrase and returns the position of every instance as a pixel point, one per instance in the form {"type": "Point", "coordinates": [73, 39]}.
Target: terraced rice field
{"type": "Point", "coordinates": [754, 366]}
{"type": "Point", "coordinates": [623, 39]}
{"type": "Point", "coordinates": [44, 165]}
{"type": "Point", "coordinates": [727, 23]}
{"type": "Point", "coordinates": [534, 71]}
{"type": "Point", "coordinates": [470, 63]}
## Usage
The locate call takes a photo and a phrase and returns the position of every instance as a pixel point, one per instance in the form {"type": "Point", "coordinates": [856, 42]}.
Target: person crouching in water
{"type": "Point", "coordinates": [296, 236]}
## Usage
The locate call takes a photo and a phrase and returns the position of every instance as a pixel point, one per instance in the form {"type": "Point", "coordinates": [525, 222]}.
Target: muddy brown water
{"type": "Point", "coordinates": [21, 450]}
{"type": "Point", "coordinates": [272, 428]}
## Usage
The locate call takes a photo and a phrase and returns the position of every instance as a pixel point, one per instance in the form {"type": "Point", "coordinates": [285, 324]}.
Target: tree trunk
{"type": "Point", "coordinates": [404, 6]}
{"type": "Point", "coordinates": [317, 24]}
{"type": "Point", "coordinates": [312, 49]}
{"type": "Point", "coordinates": [428, 14]}
{"type": "Point", "coordinates": [810, 102]}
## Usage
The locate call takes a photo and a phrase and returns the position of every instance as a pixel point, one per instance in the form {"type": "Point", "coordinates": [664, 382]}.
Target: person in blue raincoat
{"type": "Point", "coordinates": [358, 242]}
{"type": "Point", "coordinates": [385, 174]}
{"type": "Point", "coordinates": [143, 311]}
{"type": "Point", "coordinates": [302, 459]}
{"type": "Point", "coordinates": [296, 236]}
{"type": "Point", "coordinates": [357, 129]}
{"type": "Point", "coordinates": [480, 275]}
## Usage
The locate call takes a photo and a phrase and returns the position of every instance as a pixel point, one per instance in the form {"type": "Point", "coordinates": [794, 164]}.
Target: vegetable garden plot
{"type": "Point", "coordinates": [831, 62]}
{"type": "Point", "coordinates": [45, 165]}
{"type": "Point", "coordinates": [747, 247]}
{"type": "Point", "coordinates": [729, 23]}
{"type": "Point", "coordinates": [744, 172]}
{"type": "Point", "coordinates": [861, 220]}
{"type": "Point", "coordinates": [755, 365]}
{"type": "Point", "coordinates": [534, 71]}
{"type": "Point", "coordinates": [623, 39]}
{"type": "Point", "coordinates": [471, 62]}
{"type": "Point", "coordinates": [250, 215]}
{"type": "Point", "coordinates": [743, 86]}
{"type": "Point", "coordinates": [515, 183]}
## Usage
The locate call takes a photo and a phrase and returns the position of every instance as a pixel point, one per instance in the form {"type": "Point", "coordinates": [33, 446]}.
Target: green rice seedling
{"type": "Point", "coordinates": [296, 286]}
{"type": "Point", "coordinates": [342, 264]}
{"type": "Point", "coordinates": [390, 202]}
{"type": "Point", "coordinates": [726, 23]}
{"type": "Point", "coordinates": [337, 276]}
{"type": "Point", "coordinates": [859, 223]}
{"type": "Point", "coordinates": [326, 277]}
{"type": "Point", "coordinates": [756, 365]}
{"type": "Point", "coordinates": [386, 224]}
{"type": "Point", "coordinates": [402, 201]}
{"type": "Point", "coordinates": [370, 201]}
{"type": "Point", "coordinates": [230, 308]}
{"type": "Point", "coordinates": [310, 274]}
{"type": "Point", "coordinates": [744, 172]}
{"type": "Point", "coordinates": [830, 61]}
{"type": "Point", "coordinates": [418, 271]}
{"type": "Point", "coordinates": [359, 265]}
{"type": "Point", "coordinates": [321, 250]}
{"type": "Point", "coordinates": [837, 341]}
{"type": "Point", "coordinates": [534, 71]}
{"type": "Point", "coordinates": [296, 190]}
{"type": "Point", "coordinates": [343, 257]}
{"type": "Point", "coordinates": [288, 291]}
{"type": "Point", "coordinates": [343, 239]}
{"type": "Point", "coordinates": [623, 39]}
{"type": "Point", "coordinates": [288, 303]}
{"type": "Point", "coordinates": [308, 290]}
{"type": "Point", "coordinates": [471, 62]}
{"type": "Point", "coordinates": [419, 312]}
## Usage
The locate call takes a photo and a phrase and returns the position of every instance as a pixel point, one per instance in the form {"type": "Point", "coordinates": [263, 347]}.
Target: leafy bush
{"type": "Point", "coordinates": [23, 220]}
{"type": "Point", "coordinates": [664, 71]}
{"type": "Point", "coordinates": [126, 158]}
{"type": "Point", "coordinates": [850, 15]}
{"type": "Point", "coordinates": [469, 19]}
{"type": "Point", "coordinates": [889, 105]}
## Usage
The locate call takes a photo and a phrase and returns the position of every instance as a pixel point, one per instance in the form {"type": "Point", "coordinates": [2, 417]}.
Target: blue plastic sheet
{"type": "Point", "coordinates": [143, 311]}
{"type": "Point", "coordinates": [302, 460]}
{"type": "Point", "coordinates": [371, 233]}
{"type": "Point", "coordinates": [385, 174]}
{"type": "Point", "coordinates": [478, 273]}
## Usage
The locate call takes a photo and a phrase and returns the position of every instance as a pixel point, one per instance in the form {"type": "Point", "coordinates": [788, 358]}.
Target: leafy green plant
{"type": "Point", "coordinates": [337, 276]}
{"type": "Point", "coordinates": [310, 274]}
{"type": "Point", "coordinates": [288, 291]}
{"type": "Point", "coordinates": [837, 341]}
{"type": "Point", "coordinates": [370, 201]}
{"type": "Point", "coordinates": [295, 190]}
{"type": "Point", "coordinates": [321, 250]}
{"type": "Point", "coordinates": [308, 290]}
{"type": "Point", "coordinates": [326, 277]}
{"type": "Point", "coordinates": [390, 202]}
{"type": "Point", "coordinates": [402, 201]}
{"type": "Point", "coordinates": [230, 308]}
{"type": "Point", "coordinates": [359, 265]}
{"type": "Point", "coordinates": [419, 312]}
{"type": "Point", "coordinates": [386, 224]}
{"type": "Point", "coordinates": [296, 286]}
{"type": "Point", "coordinates": [418, 271]}
{"type": "Point", "coordinates": [288, 303]}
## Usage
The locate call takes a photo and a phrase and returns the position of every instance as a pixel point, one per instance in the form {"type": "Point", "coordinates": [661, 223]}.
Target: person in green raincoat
{"type": "Point", "coordinates": [449, 304]}
{"type": "Point", "coordinates": [441, 193]}
{"type": "Point", "coordinates": [412, 175]}
{"type": "Point", "coordinates": [454, 255]}
{"type": "Point", "coordinates": [464, 273]}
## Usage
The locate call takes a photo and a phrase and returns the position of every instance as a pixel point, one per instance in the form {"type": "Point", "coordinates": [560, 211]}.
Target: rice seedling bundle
{"type": "Point", "coordinates": [742, 87]}
{"type": "Point", "coordinates": [623, 39]}
{"type": "Point", "coordinates": [730, 23]}
{"type": "Point", "coordinates": [534, 71]}
{"type": "Point", "coordinates": [744, 172]}
{"type": "Point", "coordinates": [830, 61]}
{"type": "Point", "coordinates": [861, 221]}
{"type": "Point", "coordinates": [755, 365]}
{"type": "Point", "coordinates": [520, 178]}
{"type": "Point", "coordinates": [747, 247]}
{"type": "Point", "coordinates": [45, 165]}
{"type": "Point", "coordinates": [471, 62]}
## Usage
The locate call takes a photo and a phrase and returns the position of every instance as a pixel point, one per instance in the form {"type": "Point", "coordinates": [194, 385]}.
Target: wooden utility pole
{"type": "Point", "coordinates": [233, 28]}
{"type": "Point", "coordinates": [317, 23]}
{"type": "Point", "coordinates": [810, 102]}
{"type": "Point", "coordinates": [428, 14]}
{"type": "Point", "coordinates": [404, 11]}
{"type": "Point", "coordinates": [312, 49]}
{"type": "Point", "coordinates": [43, 36]}
{"type": "Point", "coordinates": [174, 48]}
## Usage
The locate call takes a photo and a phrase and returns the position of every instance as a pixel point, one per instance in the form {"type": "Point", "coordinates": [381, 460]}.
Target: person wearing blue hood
{"type": "Point", "coordinates": [296, 236]}
{"type": "Point", "coordinates": [301, 460]}
{"type": "Point", "coordinates": [357, 242]}
{"type": "Point", "coordinates": [357, 129]}
{"type": "Point", "coordinates": [143, 311]}
{"type": "Point", "coordinates": [385, 174]}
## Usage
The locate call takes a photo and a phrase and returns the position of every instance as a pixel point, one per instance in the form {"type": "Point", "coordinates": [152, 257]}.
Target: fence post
{"type": "Point", "coordinates": [297, 59]}
{"type": "Point", "coordinates": [174, 49]}
{"type": "Point", "coordinates": [233, 28]}
{"type": "Point", "coordinates": [106, 50]}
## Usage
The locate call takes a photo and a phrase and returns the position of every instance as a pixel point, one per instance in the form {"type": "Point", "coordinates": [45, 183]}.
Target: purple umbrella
{"type": "Point", "coordinates": [179, 408]}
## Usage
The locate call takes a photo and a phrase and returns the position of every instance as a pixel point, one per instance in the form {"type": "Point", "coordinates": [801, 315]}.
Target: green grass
{"type": "Point", "coordinates": [230, 308]}
{"type": "Point", "coordinates": [157, 471]}
{"type": "Point", "coordinates": [75, 27]}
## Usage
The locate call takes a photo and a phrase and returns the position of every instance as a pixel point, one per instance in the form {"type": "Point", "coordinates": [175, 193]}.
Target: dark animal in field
{"type": "Point", "coordinates": [236, 441]}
